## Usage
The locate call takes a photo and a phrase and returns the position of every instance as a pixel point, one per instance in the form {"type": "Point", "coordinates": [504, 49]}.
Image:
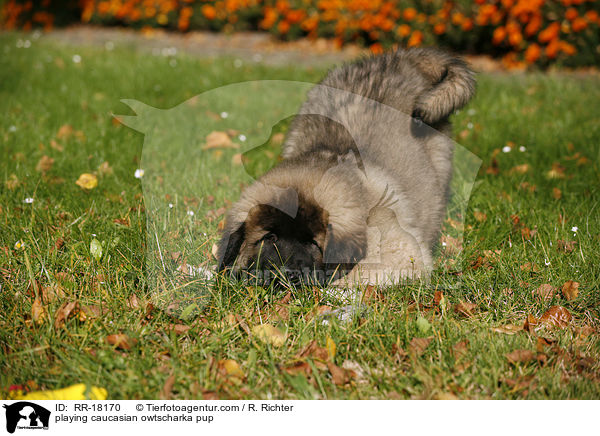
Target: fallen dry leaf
{"type": "Point", "coordinates": [300, 367]}
{"type": "Point", "coordinates": [218, 139]}
{"type": "Point", "coordinates": [530, 267]}
{"type": "Point", "coordinates": [460, 349]}
{"type": "Point", "coordinates": [64, 311]}
{"type": "Point", "coordinates": [570, 290]}
{"type": "Point", "coordinates": [331, 348]}
{"type": "Point", "coordinates": [520, 356]}
{"type": "Point", "coordinates": [339, 376]}
{"type": "Point", "coordinates": [64, 131]}
{"type": "Point", "coordinates": [231, 369]}
{"type": "Point", "coordinates": [508, 329]}
{"type": "Point", "coordinates": [121, 341]}
{"type": "Point", "coordinates": [544, 292]}
{"type": "Point", "coordinates": [556, 193]}
{"type": "Point", "coordinates": [520, 169]}
{"type": "Point", "coordinates": [530, 323]}
{"type": "Point", "coordinates": [556, 316]}
{"type": "Point", "coordinates": [165, 393]}
{"type": "Point", "coordinates": [318, 354]}
{"type": "Point", "coordinates": [466, 309]}
{"type": "Point", "coordinates": [480, 216]}
{"type": "Point", "coordinates": [566, 246]}
{"type": "Point", "coordinates": [87, 181]}
{"type": "Point", "coordinates": [419, 345]}
{"type": "Point", "coordinates": [269, 334]}
{"type": "Point", "coordinates": [51, 293]}
{"type": "Point", "coordinates": [44, 164]}
{"type": "Point", "coordinates": [178, 329]}
{"type": "Point", "coordinates": [38, 311]}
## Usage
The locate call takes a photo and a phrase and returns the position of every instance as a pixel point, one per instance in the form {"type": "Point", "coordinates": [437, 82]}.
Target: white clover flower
{"type": "Point", "coordinates": [76, 58]}
{"type": "Point", "coordinates": [506, 149]}
{"type": "Point", "coordinates": [139, 173]}
{"type": "Point", "coordinates": [522, 149]}
{"type": "Point", "coordinates": [190, 212]}
{"type": "Point", "coordinates": [28, 200]}
{"type": "Point", "coordinates": [469, 126]}
{"type": "Point", "coordinates": [170, 205]}
{"type": "Point", "coordinates": [574, 229]}
{"type": "Point", "coordinates": [242, 137]}
{"type": "Point", "coordinates": [224, 114]}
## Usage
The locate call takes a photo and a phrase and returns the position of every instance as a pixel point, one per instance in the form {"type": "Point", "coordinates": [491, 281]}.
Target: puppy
{"type": "Point", "coordinates": [361, 193]}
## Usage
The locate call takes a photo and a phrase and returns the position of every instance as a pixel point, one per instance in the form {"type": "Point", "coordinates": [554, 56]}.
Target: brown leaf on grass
{"type": "Point", "coordinates": [570, 290]}
{"type": "Point", "coordinates": [556, 193]}
{"type": "Point", "coordinates": [64, 312]}
{"type": "Point", "coordinates": [318, 354]}
{"type": "Point", "coordinates": [519, 383]}
{"type": "Point", "coordinates": [543, 342]}
{"type": "Point", "coordinates": [557, 171]}
{"type": "Point", "coordinates": [372, 295]}
{"type": "Point", "coordinates": [493, 168]}
{"type": "Point", "coordinates": [556, 316]}
{"type": "Point", "coordinates": [178, 329]}
{"type": "Point", "coordinates": [544, 292]}
{"type": "Point", "coordinates": [508, 329]}
{"type": "Point", "coordinates": [438, 296]}
{"type": "Point", "coordinates": [56, 146]}
{"type": "Point", "coordinates": [44, 164]}
{"type": "Point", "coordinates": [125, 221]}
{"type": "Point", "coordinates": [104, 169]}
{"type": "Point", "coordinates": [339, 376]}
{"type": "Point", "coordinates": [231, 369]}
{"type": "Point", "coordinates": [520, 169]}
{"type": "Point", "coordinates": [466, 309]}
{"type": "Point", "coordinates": [530, 267]}
{"type": "Point", "coordinates": [419, 345]}
{"type": "Point", "coordinates": [51, 293]}
{"type": "Point", "coordinates": [280, 311]}
{"type": "Point", "coordinates": [218, 139]}
{"type": "Point", "coordinates": [133, 302]}
{"type": "Point", "coordinates": [38, 311]}
{"type": "Point", "coordinates": [269, 334]}
{"type": "Point", "coordinates": [480, 216]}
{"type": "Point", "coordinates": [460, 349]}
{"type": "Point", "coordinates": [121, 341]}
{"type": "Point", "coordinates": [318, 311]}
{"type": "Point", "coordinates": [12, 182]}
{"type": "Point", "coordinates": [166, 391]}
{"type": "Point", "coordinates": [243, 324]}
{"type": "Point", "coordinates": [531, 322]}
{"type": "Point", "coordinates": [300, 367]}
{"type": "Point", "coordinates": [451, 245]}
{"type": "Point", "coordinates": [566, 246]}
{"type": "Point", "coordinates": [520, 356]}
{"type": "Point", "coordinates": [65, 131]}
{"type": "Point", "coordinates": [91, 311]}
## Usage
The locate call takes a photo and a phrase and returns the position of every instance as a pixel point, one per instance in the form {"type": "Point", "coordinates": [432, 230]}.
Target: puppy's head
{"type": "Point", "coordinates": [286, 234]}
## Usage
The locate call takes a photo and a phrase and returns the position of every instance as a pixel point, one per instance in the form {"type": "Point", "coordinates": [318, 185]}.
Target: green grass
{"type": "Point", "coordinates": [42, 89]}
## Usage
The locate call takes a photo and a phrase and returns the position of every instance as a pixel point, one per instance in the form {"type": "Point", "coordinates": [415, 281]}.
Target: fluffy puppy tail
{"type": "Point", "coordinates": [453, 84]}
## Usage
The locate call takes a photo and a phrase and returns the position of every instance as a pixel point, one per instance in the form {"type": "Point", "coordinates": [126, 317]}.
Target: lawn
{"type": "Point", "coordinates": [74, 261]}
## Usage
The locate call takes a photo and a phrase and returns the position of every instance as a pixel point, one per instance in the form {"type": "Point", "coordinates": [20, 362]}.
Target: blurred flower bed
{"type": "Point", "coordinates": [522, 32]}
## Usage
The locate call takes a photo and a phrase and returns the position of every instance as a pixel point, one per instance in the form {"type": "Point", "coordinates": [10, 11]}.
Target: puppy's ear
{"type": "Point", "coordinates": [344, 249]}
{"type": "Point", "coordinates": [230, 245]}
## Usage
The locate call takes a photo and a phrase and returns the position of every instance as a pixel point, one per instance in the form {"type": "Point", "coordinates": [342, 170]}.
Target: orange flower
{"type": "Point", "coordinates": [467, 24]}
{"type": "Point", "coordinates": [591, 16]}
{"type": "Point", "coordinates": [376, 48]}
{"type": "Point", "coordinates": [283, 27]}
{"type": "Point", "coordinates": [579, 24]}
{"type": "Point", "coordinates": [515, 38]}
{"type": "Point", "coordinates": [439, 28]}
{"type": "Point", "coordinates": [499, 35]}
{"type": "Point", "coordinates": [533, 26]}
{"type": "Point", "coordinates": [457, 18]}
{"type": "Point", "coordinates": [552, 49]}
{"type": "Point", "coordinates": [270, 16]}
{"type": "Point", "coordinates": [415, 39]}
{"type": "Point", "coordinates": [549, 33]}
{"type": "Point", "coordinates": [532, 53]}
{"type": "Point", "coordinates": [403, 30]}
{"type": "Point", "coordinates": [571, 14]}
{"type": "Point", "coordinates": [567, 48]}
{"type": "Point", "coordinates": [209, 11]}
{"type": "Point", "coordinates": [295, 16]}
{"type": "Point", "coordinates": [409, 14]}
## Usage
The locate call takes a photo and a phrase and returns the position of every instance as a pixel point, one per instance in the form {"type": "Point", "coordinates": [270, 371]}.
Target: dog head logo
{"type": "Point", "coordinates": [26, 415]}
